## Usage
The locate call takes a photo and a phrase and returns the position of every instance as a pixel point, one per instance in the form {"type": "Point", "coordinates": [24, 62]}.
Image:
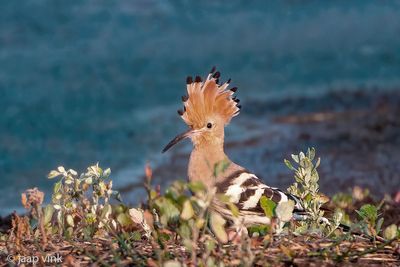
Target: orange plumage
{"type": "Point", "coordinates": [207, 99]}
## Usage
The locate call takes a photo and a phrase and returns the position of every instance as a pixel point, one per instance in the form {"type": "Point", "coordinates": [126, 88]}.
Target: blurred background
{"type": "Point", "coordinates": [100, 81]}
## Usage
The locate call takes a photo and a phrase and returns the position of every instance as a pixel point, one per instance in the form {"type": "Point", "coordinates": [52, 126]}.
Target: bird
{"type": "Point", "coordinates": [208, 108]}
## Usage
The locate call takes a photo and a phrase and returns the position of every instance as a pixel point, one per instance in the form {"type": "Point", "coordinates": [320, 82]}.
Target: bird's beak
{"type": "Point", "coordinates": [178, 138]}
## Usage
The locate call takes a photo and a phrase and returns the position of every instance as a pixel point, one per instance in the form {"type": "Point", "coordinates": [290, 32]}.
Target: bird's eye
{"type": "Point", "coordinates": [209, 125]}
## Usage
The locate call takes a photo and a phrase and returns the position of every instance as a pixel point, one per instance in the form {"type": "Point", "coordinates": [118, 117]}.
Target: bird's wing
{"type": "Point", "coordinates": [245, 190]}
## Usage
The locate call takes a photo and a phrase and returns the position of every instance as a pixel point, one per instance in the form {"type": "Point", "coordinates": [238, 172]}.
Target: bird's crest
{"type": "Point", "coordinates": [208, 98]}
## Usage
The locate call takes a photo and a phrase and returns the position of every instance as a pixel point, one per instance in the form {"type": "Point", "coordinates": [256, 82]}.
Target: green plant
{"type": "Point", "coordinates": [371, 222]}
{"type": "Point", "coordinates": [188, 214]}
{"type": "Point", "coordinates": [81, 203]}
{"type": "Point", "coordinates": [306, 188]}
{"type": "Point", "coordinates": [342, 200]}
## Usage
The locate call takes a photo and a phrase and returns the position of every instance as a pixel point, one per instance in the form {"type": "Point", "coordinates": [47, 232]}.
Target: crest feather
{"type": "Point", "coordinates": [207, 99]}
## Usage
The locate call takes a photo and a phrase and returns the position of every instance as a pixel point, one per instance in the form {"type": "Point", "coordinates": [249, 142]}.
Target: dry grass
{"type": "Point", "coordinates": [279, 251]}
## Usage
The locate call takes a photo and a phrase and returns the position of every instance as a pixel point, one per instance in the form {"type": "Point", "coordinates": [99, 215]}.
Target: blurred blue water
{"type": "Point", "coordinates": [88, 81]}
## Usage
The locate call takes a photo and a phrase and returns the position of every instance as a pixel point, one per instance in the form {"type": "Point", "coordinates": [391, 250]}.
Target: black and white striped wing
{"type": "Point", "coordinates": [245, 190]}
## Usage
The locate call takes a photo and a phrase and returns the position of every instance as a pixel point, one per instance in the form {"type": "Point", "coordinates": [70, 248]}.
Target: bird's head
{"type": "Point", "coordinates": [207, 109]}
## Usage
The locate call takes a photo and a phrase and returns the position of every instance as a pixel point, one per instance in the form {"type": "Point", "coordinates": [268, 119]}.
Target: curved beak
{"type": "Point", "coordinates": [178, 138]}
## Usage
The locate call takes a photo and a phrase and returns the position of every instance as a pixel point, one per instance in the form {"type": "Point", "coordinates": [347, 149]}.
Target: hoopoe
{"type": "Point", "coordinates": [208, 108]}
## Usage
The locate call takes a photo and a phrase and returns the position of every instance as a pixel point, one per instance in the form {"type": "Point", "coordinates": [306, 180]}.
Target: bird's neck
{"type": "Point", "coordinates": [203, 161]}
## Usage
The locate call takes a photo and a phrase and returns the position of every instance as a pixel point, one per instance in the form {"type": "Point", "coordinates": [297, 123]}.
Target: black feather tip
{"type": "Point", "coordinates": [185, 98]}
{"type": "Point", "coordinates": [180, 112]}
{"type": "Point", "coordinates": [229, 80]}
{"type": "Point", "coordinates": [217, 75]}
{"type": "Point", "coordinates": [213, 69]}
{"type": "Point", "coordinates": [189, 80]}
{"type": "Point", "coordinates": [197, 79]}
{"type": "Point", "coordinates": [233, 89]}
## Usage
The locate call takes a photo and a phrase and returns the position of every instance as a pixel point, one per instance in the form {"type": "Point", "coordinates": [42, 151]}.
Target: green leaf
{"type": "Point", "coordinates": [311, 153]}
{"type": "Point", "coordinates": [94, 170]}
{"type": "Point", "coordinates": [188, 244]}
{"type": "Point", "coordinates": [69, 232]}
{"type": "Point", "coordinates": [337, 216]}
{"type": "Point", "coordinates": [221, 166]}
{"type": "Point", "coordinates": [200, 223]}
{"type": "Point", "coordinates": [168, 210]}
{"type": "Point", "coordinates": [88, 232]}
{"type": "Point", "coordinates": [227, 200]}
{"type": "Point", "coordinates": [224, 198]}
{"type": "Point", "coordinates": [217, 226]}
{"type": "Point", "coordinates": [289, 164]}
{"type": "Point", "coordinates": [136, 236]}
{"type": "Point", "coordinates": [70, 220]}
{"type": "Point", "coordinates": [99, 170]}
{"type": "Point", "coordinates": [73, 172]}
{"type": "Point", "coordinates": [153, 194]}
{"type": "Point", "coordinates": [196, 187]}
{"type": "Point", "coordinates": [185, 231]}
{"type": "Point", "coordinates": [107, 172]}
{"type": "Point", "coordinates": [106, 211]}
{"type": "Point", "coordinates": [262, 230]}
{"type": "Point", "coordinates": [234, 209]}
{"type": "Point", "coordinates": [379, 224]}
{"type": "Point", "coordinates": [390, 232]}
{"type": "Point", "coordinates": [300, 230]}
{"type": "Point", "coordinates": [117, 195]}
{"type": "Point", "coordinates": [187, 210]}
{"type": "Point", "coordinates": [368, 212]}
{"type": "Point", "coordinates": [210, 245]}
{"type": "Point", "coordinates": [57, 187]}
{"type": "Point", "coordinates": [211, 262]}
{"type": "Point", "coordinates": [284, 211]}
{"type": "Point", "coordinates": [164, 236]}
{"type": "Point", "coordinates": [268, 206]}
{"type": "Point", "coordinates": [295, 158]}
{"type": "Point", "coordinates": [53, 174]}
{"type": "Point", "coordinates": [48, 214]}
{"type": "Point", "coordinates": [308, 197]}
{"type": "Point", "coordinates": [343, 200]}
{"type": "Point", "coordinates": [124, 219]}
